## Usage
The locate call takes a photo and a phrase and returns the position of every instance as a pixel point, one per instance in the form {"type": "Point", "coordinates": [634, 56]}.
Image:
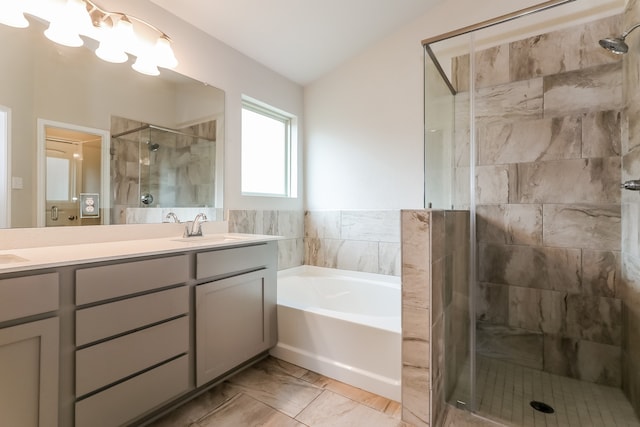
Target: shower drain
{"type": "Point", "coordinates": [541, 407]}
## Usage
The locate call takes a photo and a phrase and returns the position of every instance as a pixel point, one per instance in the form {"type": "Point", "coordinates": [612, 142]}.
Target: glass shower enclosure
{"type": "Point", "coordinates": [530, 126]}
{"type": "Point", "coordinates": [156, 170]}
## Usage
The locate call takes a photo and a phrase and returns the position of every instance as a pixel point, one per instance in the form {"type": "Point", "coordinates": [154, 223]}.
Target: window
{"type": "Point", "coordinates": [58, 179]}
{"type": "Point", "coordinates": [268, 157]}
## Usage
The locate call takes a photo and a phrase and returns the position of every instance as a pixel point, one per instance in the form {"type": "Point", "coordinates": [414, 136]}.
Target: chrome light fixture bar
{"type": "Point", "coordinates": [118, 34]}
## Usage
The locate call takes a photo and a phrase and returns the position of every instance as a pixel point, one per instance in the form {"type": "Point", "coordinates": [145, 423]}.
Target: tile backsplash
{"type": "Point", "coordinates": [285, 223]}
{"type": "Point", "coordinates": [366, 241]}
{"type": "Point", "coordinates": [359, 240]}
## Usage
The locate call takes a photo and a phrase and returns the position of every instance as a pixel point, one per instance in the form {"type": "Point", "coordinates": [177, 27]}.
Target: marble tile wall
{"type": "Point", "coordinates": [180, 173]}
{"type": "Point", "coordinates": [550, 125]}
{"type": "Point", "coordinates": [435, 316]}
{"type": "Point", "coordinates": [285, 223]}
{"type": "Point", "coordinates": [630, 283]}
{"type": "Point", "coordinates": [367, 241]}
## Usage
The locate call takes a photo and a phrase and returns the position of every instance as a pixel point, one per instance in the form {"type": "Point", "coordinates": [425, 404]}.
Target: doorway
{"type": "Point", "coordinates": [73, 175]}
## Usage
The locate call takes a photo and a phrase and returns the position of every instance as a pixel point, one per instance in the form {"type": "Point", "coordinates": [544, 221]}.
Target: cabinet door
{"type": "Point", "coordinates": [29, 374]}
{"type": "Point", "coordinates": [232, 323]}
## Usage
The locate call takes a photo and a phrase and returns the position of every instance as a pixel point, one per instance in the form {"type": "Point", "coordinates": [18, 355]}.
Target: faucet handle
{"type": "Point", "coordinates": [171, 216]}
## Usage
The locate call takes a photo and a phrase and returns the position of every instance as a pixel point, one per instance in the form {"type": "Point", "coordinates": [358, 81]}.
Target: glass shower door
{"type": "Point", "coordinates": [448, 189]}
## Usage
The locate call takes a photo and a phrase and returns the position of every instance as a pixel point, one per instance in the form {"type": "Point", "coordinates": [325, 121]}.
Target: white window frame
{"type": "Point", "coordinates": [290, 164]}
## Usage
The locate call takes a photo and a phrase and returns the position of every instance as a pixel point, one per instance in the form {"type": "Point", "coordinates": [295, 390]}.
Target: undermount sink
{"type": "Point", "coordinates": [10, 258]}
{"type": "Point", "coordinates": [218, 238]}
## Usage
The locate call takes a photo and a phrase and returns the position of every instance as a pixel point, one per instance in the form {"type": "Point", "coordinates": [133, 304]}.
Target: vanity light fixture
{"type": "Point", "coordinates": [118, 34]}
{"type": "Point", "coordinates": [113, 40]}
{"type": "Point", "coordinates": [68, 22]}
{"type": "Point", "coordinates": [12, 14]}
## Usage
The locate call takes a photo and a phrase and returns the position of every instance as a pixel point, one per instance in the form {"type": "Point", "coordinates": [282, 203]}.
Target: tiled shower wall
{"type": "Point", "coordinates": [288, 224]}
{"type": "Point", "coordinates": [180, 173]}
{"type": "Point", "coordinates": [549, 120]}
{"type": "Point", "coordinates": [367, 241]}
{"type": "Point", "coordinates": [435, 311]}
{"type": "Point", "coordinates": [631, 218]}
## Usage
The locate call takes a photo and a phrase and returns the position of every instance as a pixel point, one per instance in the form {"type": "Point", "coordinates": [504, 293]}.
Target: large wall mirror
{"type": "Point", "coordinates": [93, 142]}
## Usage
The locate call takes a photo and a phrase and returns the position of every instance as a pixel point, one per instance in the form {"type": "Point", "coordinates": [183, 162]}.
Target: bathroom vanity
{"type": "Point", "coordinates": [114, 333]}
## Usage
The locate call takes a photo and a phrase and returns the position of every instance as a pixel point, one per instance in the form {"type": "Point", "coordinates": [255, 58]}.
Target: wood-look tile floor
{"type": "Point", "coordinates": [276, 393]}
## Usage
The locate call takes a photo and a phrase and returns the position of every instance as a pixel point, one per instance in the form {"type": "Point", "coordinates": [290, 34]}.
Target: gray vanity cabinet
{"type": "Point", "coordinates": [29, 350]}
{"type": "Point", "coordinates": [132, 339]}
{"type": "Point", "coordinates": [116, 342]}
{"type": "Point", "coordinates": [235, 311]}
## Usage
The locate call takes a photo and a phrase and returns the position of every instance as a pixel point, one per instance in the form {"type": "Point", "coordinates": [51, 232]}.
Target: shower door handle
{"type": "Point", "coordinates": [54, 213]}
{"type": "Point", "coordinates": [633, 185]}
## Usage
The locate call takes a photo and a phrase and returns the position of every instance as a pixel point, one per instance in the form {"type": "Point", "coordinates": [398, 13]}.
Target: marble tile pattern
{"type": "Point", "coordinates": [629, 287]}
{"type": "Point", "coordinates": [288, 224]}
{"type": "Point", "coordinates": [435, 316]}
{"type": "Point", "coordinates": [416, 316]}
{"type": "Point", "coordinates": [551, 120]}
{"type": "Point", "coordinates": [157, 215]}
{"type": "Point", "coordinates": [367, 241]}
{"type": "Point", "coordinates": [180, 173]}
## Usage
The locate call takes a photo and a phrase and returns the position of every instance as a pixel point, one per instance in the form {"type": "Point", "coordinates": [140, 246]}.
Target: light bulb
{"type": "Point", "coordinates": [69, 22]}
{"type": "Point", "coordinates": [110, 49]}
{"type": "Point", "coordinates": [12, 14]}
{"type": "Point", "coordinates": [146, 65]}
{"type": "Point", "coordinates": [59, 33]}
{"type": "Point", "coordinates": [164, 53]}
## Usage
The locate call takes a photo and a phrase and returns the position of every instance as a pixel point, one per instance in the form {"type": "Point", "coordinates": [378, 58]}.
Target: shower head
{"type": "Point", "coordinates": [152, 146]}
{"type": "Point", "coordinates": [617, 45]}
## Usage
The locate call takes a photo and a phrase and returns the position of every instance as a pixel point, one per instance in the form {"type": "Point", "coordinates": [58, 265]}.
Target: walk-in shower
{"type": "Point", "coordinates": [531, 126]}
{"type": "Point", "coordinates": [162, 168]}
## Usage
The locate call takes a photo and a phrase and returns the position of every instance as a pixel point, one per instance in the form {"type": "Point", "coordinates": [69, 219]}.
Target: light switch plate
{"type": "Point", "coordinates": [16, 183]}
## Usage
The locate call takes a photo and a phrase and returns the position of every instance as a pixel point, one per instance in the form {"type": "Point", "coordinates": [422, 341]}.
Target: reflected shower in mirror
{"type": "Point", "coordinates": [43, 81]}
{"type": "Point", "coordinates": [157, 170]}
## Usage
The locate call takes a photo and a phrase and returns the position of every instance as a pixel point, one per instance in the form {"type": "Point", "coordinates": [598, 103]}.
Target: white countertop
{"type": "Point", "coordinates": [14, 260]}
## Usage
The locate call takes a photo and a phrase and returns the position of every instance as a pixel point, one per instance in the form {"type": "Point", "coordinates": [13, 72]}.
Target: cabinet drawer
{"type": "Point", "coordinates": [126, 401]}
{"type": "Point", "coordinates": [28, 295]}
{"type": "Point", "coordinates": [216, 263]}
{"type": "Point", "coordinates": [113, 281]}
{"type": "Point", "coordinates": [105, 363]}
{"type": "Point", "coordinates": [103, 321]}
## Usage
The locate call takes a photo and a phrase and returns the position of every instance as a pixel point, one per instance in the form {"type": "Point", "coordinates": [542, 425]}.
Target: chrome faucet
{"type": "Point", "coordinates": [194, 228]}
{"type": "Point", "coordinates": [171, 216]}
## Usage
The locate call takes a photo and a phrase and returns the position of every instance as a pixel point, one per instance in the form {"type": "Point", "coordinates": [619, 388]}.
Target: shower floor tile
{"type": "Point", "coordinates": [505, 391]}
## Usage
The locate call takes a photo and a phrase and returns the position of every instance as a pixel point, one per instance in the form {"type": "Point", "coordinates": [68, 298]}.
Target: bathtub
{"type": "Point", "coordinates": [342, 324]}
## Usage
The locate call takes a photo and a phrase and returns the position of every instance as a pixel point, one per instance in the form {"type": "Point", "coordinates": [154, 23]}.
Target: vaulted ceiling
{"type": "Point", "coordinates": [300, 39]}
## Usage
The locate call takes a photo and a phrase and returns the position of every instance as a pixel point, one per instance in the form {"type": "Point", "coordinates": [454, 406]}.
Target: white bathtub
{"type": "Point", "coordinates": [342, 324]}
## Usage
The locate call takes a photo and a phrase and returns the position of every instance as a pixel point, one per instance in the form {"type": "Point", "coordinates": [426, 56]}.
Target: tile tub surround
{"type": "Point", "coordinates": [550, 120]}
{"type": "Point", "coordinates": [629, 288]}
{"type": "Point", "coordinates": [286, 223]}
{"type": "Point", "coordinates": [435, 274]}
{"type": "Point", "coordinates": [358, 240]}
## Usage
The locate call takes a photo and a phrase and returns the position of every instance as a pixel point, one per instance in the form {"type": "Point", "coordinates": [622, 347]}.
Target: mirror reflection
{"type": "Point", "coordinates": [72, 173]}
{"type": "Point", "coordinates": [165, 153]}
